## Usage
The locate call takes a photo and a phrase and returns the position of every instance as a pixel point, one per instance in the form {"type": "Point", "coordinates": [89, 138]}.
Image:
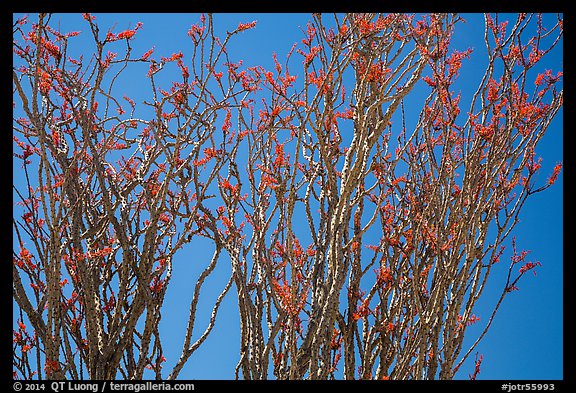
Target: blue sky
{"type": "Point", "coordinates": [525, 341]}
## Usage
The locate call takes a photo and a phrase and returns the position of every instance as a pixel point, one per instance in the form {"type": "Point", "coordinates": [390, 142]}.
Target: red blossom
{"type": "Point", "coordinates": [269, 181]}
{"type": "Point", "coordinates": [26, 260]}
{"type": "Point", "coordinates": [146, 55]}
{"type": "Point", "coordinates": [383, 276]}
{"type": "Point", "coordinates": [533, 165]}
{"type": "Point", "coordinates": [529, 266]}
{"type": "Point", "coordinates": [126, 34]}
{"type": "Point", "coordinates": [109, 304]}
{"type": "Point", "coordinates": [455, 62]}
{"type": "Point", "coordinates": [270, 78]}
{"type": "Point", "coordinates": [310, 34]}
{"type": "Point", "coordinates": [471, 320]}
{"type": "Point", "coordinates": [308, 57]}
{"type": "Point", "coordinates": [378, 73]}
{"type": "Point", "coordinates": [246, 26]}
{"type": "Point", "coordinates": [27, 217]}
{"type": "Point", "coordinates": [278, 359]}
{"type": "Point", "coordinates": [336, 339]}
{"type": "Point", "coordinates": [280, 157]}
{"type": "Point", "coordinates": [535, 55]}
{"type": "Point", "coordinates": [555, 173]}
{"type": "Point", "coordinates": [164, 218]}
{"type": "Point", "coordinates": [45, 83]}
{"type": "Point", "coordinates": [173, 57]}
{"type": "Point", "coordinates": [363, 310]}
{"type": "Point", "coordinates": [51, 366]}
{"type": "Point", "coordinates": [209, 153]}
{"type": "Point", "coordinates": [429, 81]}
{"type": "Point", "coordinates": [227, 121]}
{"type": "Point", "coordinates": [347, 114]}
{"type": "Point", "coordinates": [477, 364]}
{"type": "Point", "coordinates": [53, 49]}
{"type": "Point", "coordinates": [157, 284]}
{"type": "Point", "coordinates": [493, 88]}
{"type": "Point", "coordinates": [195, 32]}
{"type": "Point", "coordinates": [364, 25]}
{"type": "Point", "coordinates": [225, 184]}
{"type": "Point", "coordinates": [485, 132]}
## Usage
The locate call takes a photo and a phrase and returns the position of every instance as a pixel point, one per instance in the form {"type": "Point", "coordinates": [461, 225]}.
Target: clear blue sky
{"type": "Point", "coordinates": [525, 341]}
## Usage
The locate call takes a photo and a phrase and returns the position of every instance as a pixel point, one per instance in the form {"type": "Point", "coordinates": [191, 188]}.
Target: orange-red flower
{"type": "Point", "coordinates": [45, 84]}
{"type": "Point", "coordinates": [146, 55]}
{"type": "Point", "coordinates": [246, 26]}
{"type": "Point", "coordinates": [555, 173]}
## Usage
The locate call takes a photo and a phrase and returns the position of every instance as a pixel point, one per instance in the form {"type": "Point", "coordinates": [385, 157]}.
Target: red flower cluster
{"type": "Point", "coordinates": [529, 266]}
{"type": "Point", "coordinates": [493, 88]}
{"type": "Point", "coordinates": [246, 26]}
{"type": "Point", "coordinates": [209, 153]}
{"type": "Point", "coordinates": [555, 173]}
{"type": "Point", "coordinates": [383, 276]}
{"type": "Point", "coordinates": [471, 320]}
{"type": "Point", "coordinates": [45, 84]}
{"type": "Point", "coordinates": [157, 284]}
{"type": "Point", "coordinates": [280, 160]}
{"type": "Point", "coordinates": [363, 310]}
{"type": "Point", "coordinates": [476, 367]}
{"type": "Point", "coordinates": [196, 32]}
{"type": "Point", "coordinates": [146, 55]}
{"type": "Point", "coordinates": [126, 34]}
{"type": "Point", "coordinates": [225, 184]}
